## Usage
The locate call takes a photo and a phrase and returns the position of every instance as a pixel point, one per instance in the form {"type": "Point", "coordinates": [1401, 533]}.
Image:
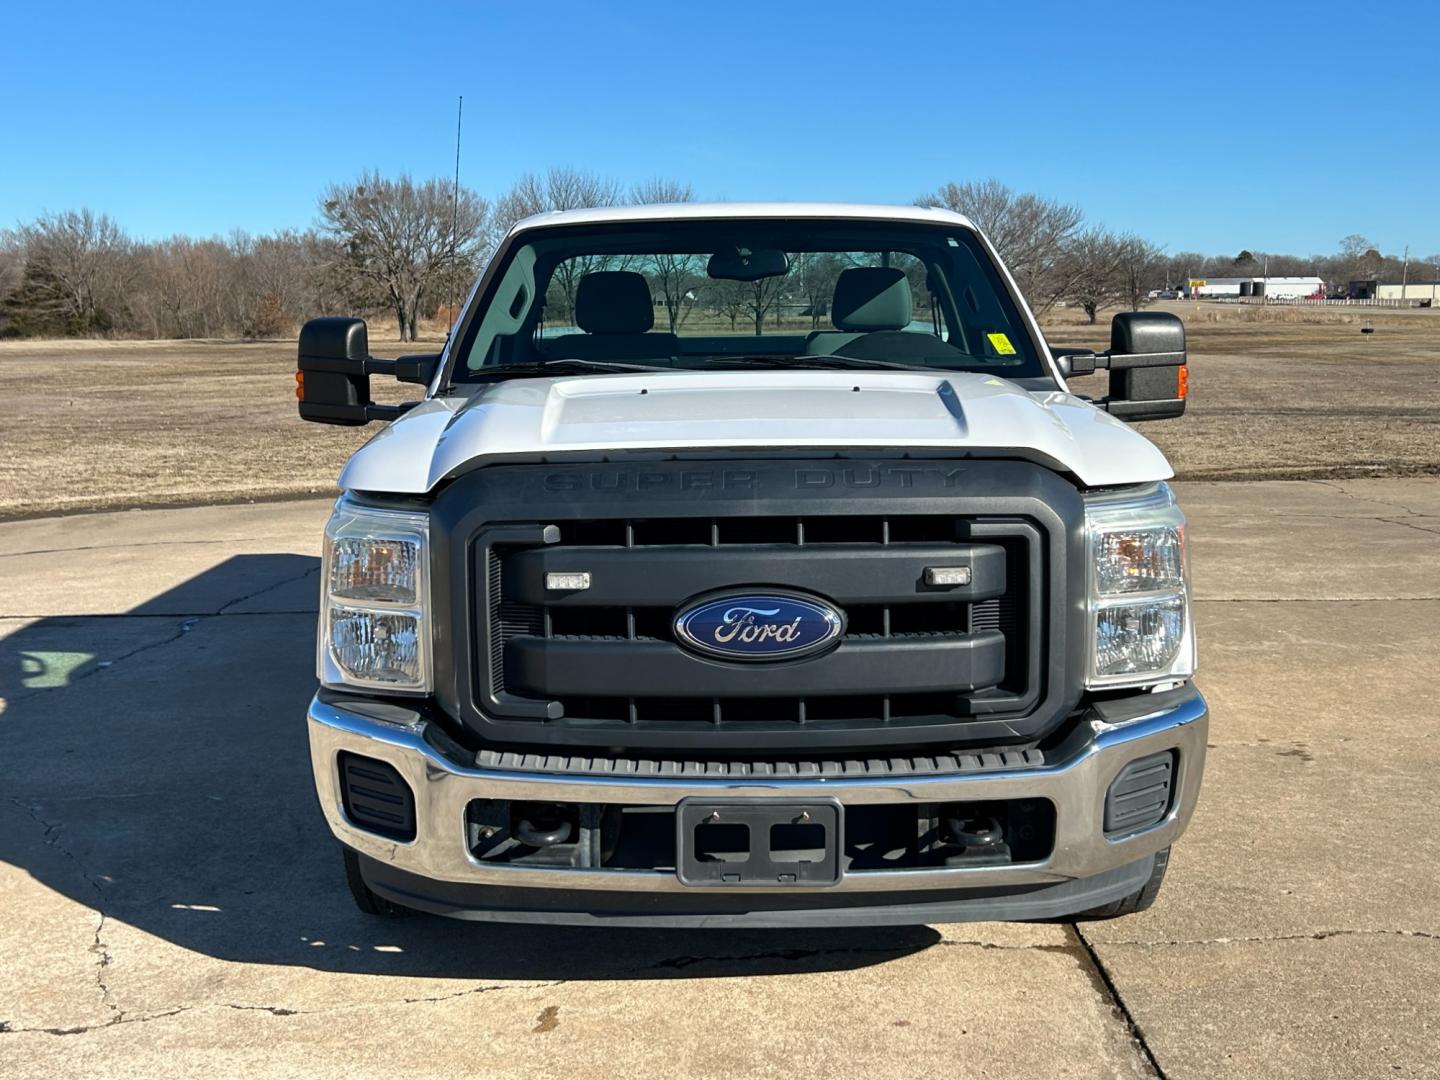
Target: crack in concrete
{"type": "Point", "coordinates": [482, 990]}
{"type": "Point", "coordinates": [1408, 511]}
{"type": "Point", "coordinates": [1311, 599]}
{"type": "Point", "coordinates": [50, 837]}
{"type": "Point", "coordinates": [1316, 935]}
{"type": "Point", "coordinates": [167, 614]}
{"type": "Point", "coordinates": [102, 952]}
{"type": "Point", "coordinates": [274, 1010]}
{"type": "Point", "coordinates": [1105, 983]}
{"type": "Point", "coordinates": [1412, 525]}
{"type": "Point", "coordinates": [186, 625]}
{"type": "Point", "coordinates": [9, 1029]}
{"type": "Point", "coordinates": [1333, 486]}
{"type": "Point", "coordinates": [137, 544]}
{"type": "Point", "coordinates": [268, 588]}
{"type": "Point", "coordinates": [50, 831]}
{"type": "Point", "coordinates": [1315, 744]}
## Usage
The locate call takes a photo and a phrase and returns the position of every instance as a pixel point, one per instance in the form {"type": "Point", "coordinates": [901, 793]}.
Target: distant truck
{"type": "Point", "coordinates": [874, 623]}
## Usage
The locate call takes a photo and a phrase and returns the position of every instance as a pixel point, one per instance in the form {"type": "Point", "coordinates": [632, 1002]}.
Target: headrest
{"type": "Point", "coordinates": [614, 302]}
{"type": "Point", "coordinates": [871, 298]}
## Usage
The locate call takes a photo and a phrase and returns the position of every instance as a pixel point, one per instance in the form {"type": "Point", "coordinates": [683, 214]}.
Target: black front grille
{"type": "Point", "coordinates": [663, 563]}
{"type": "Point", "coordinates": [918, 665]}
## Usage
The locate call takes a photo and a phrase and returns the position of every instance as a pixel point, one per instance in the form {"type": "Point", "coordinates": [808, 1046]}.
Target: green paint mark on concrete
{"type": "Point", "coordinates": [50, 670]}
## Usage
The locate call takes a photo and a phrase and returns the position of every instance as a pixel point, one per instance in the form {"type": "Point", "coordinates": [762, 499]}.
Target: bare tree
{"type": "Point", "coordinates": [1030, 231]}
{"type": "Point", "coordinates": [1094, 270]}
{"type": "Point", "coordinates": [12, 267]}
{"type": "Point", "coordinates": [661, 190]}
{"type": "Point", "coordinates": [397, 234]}
{"type": "Point", "coordinates": [817, 273]}
{"type": "Point", "coordinates": [675, 276]}
{"type": "Point", "coordinates": [76, 267]}
{"type": "Point", "coordinates": [1182, 266]}
{"type": "Point", "coordinates": [761, 297]}
{"type": "Point", "coordinates": [1141, 267]}
{"type": "Point", "coordinates": [560, 188]}
{"type": "Point", "coordinates": [727, 299]}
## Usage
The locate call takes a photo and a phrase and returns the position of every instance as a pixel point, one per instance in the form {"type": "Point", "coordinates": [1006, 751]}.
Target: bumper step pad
{"type": "Point", "coordinates": [930, 765]}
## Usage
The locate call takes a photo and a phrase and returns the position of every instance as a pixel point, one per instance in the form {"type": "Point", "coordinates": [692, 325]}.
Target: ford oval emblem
{"type": "Point", "coordinates": [759, 626]}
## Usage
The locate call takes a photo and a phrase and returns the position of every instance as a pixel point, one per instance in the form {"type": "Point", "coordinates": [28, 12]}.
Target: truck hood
{"type": "Point", "coordinates": [534, 419]}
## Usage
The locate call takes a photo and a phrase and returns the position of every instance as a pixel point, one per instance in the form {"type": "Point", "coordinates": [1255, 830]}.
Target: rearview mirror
{"type": "Point", "coordinates": [747, 264]}
{"type": "Point", "coordinates": [334, 369]}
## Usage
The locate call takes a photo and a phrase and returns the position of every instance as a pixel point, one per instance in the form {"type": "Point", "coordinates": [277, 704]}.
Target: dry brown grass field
{"type": "Point", "coordinates": [1276, 392]}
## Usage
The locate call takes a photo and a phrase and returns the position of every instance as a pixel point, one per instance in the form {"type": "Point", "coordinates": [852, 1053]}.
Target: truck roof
{"type": "Point", "coordinates": [929, 215]}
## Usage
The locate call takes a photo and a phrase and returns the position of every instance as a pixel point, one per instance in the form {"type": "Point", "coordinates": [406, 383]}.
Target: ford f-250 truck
{"type": "Point", "coordinates": [754, 565]}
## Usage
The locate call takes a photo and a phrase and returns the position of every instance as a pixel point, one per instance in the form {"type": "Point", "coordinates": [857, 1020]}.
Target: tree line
{"type": "Point", "coordinates": [407, 249]}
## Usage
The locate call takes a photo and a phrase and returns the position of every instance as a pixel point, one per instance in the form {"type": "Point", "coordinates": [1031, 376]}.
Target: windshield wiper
{"type": "Point", "coordinates": [563, 366]}
{"type": "Point", "coordinates": [785, 360]}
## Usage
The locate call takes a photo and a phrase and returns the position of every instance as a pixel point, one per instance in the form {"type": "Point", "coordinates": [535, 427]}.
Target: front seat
{"type": "Point", "coordinates": [871, 310]}
{"type": "Point", "coordinates": [615, 310]}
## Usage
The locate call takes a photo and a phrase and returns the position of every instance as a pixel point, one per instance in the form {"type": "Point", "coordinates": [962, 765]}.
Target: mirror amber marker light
{"type": "Point", "coordinates": [300, 385]}
{"type": "Point", "coordinates": [1184, 381]}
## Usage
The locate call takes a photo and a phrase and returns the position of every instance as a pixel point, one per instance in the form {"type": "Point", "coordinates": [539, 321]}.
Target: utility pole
{"type": "Point", "coordinates": [455, 215]}
{"type": "Point", "coordinates": [1404, 274]}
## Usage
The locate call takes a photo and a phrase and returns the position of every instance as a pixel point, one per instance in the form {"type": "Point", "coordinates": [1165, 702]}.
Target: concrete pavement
{"type": "Point", "coordinates": [172, 903]}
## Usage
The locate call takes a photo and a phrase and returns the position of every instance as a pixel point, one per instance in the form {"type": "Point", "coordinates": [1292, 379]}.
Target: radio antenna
{"type": "Point", "coordinates": [455, 213]}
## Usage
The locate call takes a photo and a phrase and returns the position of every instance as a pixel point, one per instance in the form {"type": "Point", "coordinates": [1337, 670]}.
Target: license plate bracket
{"type": "Point", "coordinates": [778, 842]}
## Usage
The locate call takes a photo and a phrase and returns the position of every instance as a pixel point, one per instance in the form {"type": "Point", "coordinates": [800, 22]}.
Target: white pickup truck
{"type": "Point", "coordinates": [753, 565]}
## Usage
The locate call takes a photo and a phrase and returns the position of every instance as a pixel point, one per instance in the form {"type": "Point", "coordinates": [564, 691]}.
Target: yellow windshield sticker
{"type": "Point", "coordinates": [1002, 344]}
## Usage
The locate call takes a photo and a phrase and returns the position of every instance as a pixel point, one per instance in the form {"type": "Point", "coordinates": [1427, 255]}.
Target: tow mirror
{"type": "Point", "coordinates": [1146, 361]}
{"type": "Point", "coordinates": [1148, 376]}
{"type": "Point", "coordinates": [335, 365]}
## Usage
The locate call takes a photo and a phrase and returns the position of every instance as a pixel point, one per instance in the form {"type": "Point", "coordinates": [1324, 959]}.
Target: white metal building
{"type": "Point", "coordinates": [1278, 288]}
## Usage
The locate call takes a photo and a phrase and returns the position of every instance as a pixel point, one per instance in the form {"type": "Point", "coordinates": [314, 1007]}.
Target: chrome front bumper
{"type": "Point", "coordinates": [1076, 786]}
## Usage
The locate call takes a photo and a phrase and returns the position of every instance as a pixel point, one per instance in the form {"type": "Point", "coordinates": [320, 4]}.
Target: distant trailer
{"type": "Point", "coordinates": [1277, 288]}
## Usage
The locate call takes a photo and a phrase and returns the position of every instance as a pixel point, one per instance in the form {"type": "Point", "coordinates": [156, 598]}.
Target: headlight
{"type": "Point", "coordinates": [1139, 594]}
{"type": "Point", "coordinates": [374, 600]}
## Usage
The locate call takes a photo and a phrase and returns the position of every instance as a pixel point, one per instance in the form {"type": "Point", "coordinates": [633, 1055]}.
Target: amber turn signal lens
{"type": "Point", "coordinates": [1184, 387]}
{"type": "Point", "coordinates": [300, 385]}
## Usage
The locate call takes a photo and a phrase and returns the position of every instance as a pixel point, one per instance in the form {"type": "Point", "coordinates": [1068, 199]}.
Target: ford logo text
{"type": "Point", "coordinates": [759, 626]}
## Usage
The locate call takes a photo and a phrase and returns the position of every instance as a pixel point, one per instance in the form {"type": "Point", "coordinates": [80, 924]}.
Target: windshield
{"type": "Point", "coordinates": [703, 294]}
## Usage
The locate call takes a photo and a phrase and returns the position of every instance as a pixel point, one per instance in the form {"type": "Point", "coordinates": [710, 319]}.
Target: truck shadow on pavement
{"type": "Point", "coordinates": [154, 767]}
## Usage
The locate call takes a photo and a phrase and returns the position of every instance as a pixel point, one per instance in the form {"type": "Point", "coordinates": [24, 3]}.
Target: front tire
{"type": "Point", "coordinates": [1139, 900]}
{"type": "Point", "coordinates": [368, 901]}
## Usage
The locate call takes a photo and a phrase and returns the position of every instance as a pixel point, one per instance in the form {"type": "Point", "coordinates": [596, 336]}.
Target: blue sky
{"type": "Point", "coordinates": [1209, 126]}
